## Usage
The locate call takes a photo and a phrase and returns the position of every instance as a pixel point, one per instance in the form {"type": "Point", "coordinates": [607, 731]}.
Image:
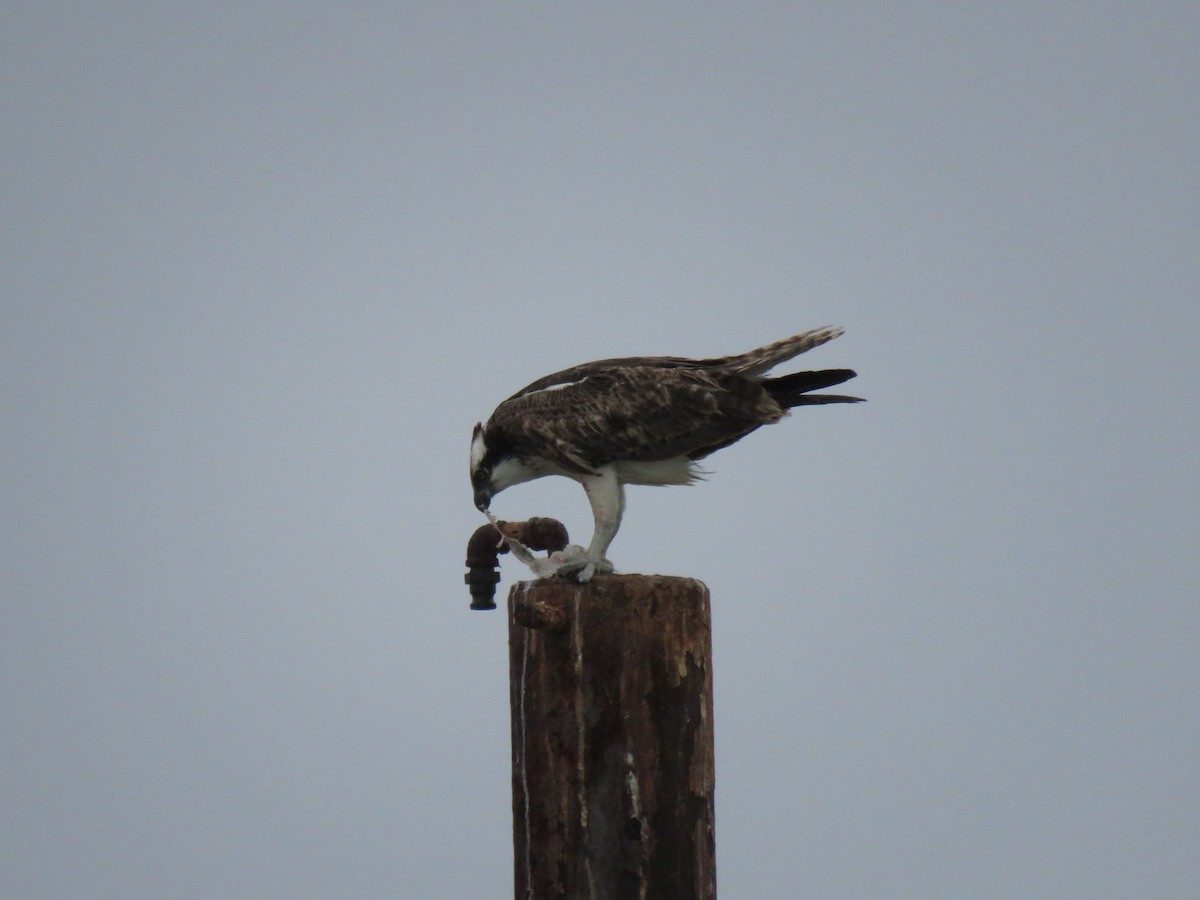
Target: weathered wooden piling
{"type": "Point", "coordinates": [612, 736]}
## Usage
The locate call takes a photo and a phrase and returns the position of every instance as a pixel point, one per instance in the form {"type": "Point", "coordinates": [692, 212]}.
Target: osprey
{"type": "Point", "coordinates": [638, 420]}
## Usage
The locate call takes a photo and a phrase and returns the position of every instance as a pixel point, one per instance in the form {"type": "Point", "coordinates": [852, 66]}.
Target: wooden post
{"type": "Point", "coordinates": [612, 731]}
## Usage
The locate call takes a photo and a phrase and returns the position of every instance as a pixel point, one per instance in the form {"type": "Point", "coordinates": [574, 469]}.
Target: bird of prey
{"type": "Point", "coordinates": [638, 420]}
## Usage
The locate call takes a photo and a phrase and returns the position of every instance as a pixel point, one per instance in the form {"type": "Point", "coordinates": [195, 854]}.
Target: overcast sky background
{"type": "Point", "coordinates": [265, 264]}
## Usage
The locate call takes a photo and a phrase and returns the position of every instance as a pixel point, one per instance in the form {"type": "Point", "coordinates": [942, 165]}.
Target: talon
{"type": "Point", "coordinates": [582, 569]}
{"type": "Point", "coordinates": [571, 568]}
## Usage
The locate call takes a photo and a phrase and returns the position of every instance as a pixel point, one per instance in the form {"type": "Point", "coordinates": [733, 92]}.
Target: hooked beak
{"type": "Point", "coordinates": [483, 499]}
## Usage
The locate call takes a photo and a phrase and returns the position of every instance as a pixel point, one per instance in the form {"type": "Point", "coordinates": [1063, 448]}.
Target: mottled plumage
{"type": "Point", "coordinates": [638, 420]}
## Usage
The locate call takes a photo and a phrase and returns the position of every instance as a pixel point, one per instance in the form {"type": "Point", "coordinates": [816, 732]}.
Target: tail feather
{"type": "Point", "coordinates": [793, 390]}
{"type": "Point", "coordinates": [763, 359]}
{"type": "Point", "coordinates": [817, 399]}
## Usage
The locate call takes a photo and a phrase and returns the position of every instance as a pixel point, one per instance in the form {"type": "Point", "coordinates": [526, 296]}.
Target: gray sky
{"type": "Point", "coordinates": [264, 266]}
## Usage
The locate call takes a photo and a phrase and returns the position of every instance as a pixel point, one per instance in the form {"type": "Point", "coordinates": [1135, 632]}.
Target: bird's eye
{"type": "Point", "coordinates": [478, 476]}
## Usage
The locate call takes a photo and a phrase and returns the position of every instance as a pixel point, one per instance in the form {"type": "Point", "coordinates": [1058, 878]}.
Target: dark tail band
{"type": "Point", "coordinates": [793, 390]}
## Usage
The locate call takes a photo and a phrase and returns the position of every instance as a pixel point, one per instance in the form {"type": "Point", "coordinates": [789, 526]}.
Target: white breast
{"type": "Point", "coordinates": [677, 470]}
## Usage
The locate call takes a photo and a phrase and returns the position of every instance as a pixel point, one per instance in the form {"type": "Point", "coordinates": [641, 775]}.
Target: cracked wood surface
{"type": "Point", "coordinates": [611, 690]}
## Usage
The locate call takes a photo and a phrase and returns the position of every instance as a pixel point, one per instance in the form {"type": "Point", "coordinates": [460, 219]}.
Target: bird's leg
{"type": "Point", "coordinates": [606, 494]}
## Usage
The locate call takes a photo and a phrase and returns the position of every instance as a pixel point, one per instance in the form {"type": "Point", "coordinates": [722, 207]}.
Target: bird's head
{"type": "Point", "coordinates": [482, 464]}
{"type": "Point", "coordinates": [494, 466]}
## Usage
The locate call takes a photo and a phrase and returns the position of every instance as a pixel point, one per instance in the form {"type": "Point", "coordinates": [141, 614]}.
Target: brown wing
{"type": "Point", "coordinates": [603, 367]}
{"type": "Point", "coordinates": [750, 365]}
{"type": "Point", "coordinates": [632, 412]}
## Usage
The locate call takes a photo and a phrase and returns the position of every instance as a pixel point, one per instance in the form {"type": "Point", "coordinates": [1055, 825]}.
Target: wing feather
{"type": "Point", "coordinates": [749, 365]}
{"type": "Point", "coordinates": [592, 415]}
